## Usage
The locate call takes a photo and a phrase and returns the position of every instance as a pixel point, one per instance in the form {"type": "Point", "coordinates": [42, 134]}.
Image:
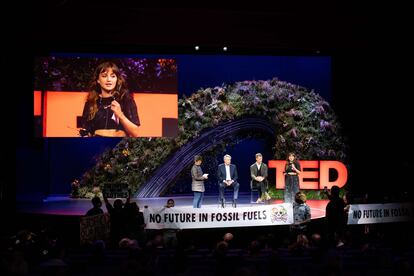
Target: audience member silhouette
{"type": "Point", "coordinates": [335, 218]}
{"type": "Point", "coordinates": [96, 209]}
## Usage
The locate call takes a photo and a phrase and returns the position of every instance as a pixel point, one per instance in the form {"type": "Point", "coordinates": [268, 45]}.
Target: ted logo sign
{"type": "Point", "coordinates": [314, 174]}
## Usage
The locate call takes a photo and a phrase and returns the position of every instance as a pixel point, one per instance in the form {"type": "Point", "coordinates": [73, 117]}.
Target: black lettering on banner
{"type": "Point", "coordinates": [254, 215]}
{"type": "Point", "coordinates": [219, 216]}
{"type": "Point", "coordinates": [377, 213]}
{"type": "Point", "coordinates": [399, 212]}
{"type": "Point", "coordinates": [232, 216]}
{"type": "Point", "coordinates": [155, 218]}
{"type": "Point", "coordinates": [202, 217]}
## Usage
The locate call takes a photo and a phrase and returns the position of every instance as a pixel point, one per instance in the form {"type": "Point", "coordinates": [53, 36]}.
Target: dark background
{"type": "Point", "coordinates": [371, 76]}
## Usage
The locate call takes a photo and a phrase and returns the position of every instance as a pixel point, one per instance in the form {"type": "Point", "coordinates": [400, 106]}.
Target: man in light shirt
{"type": "Point", "coordinates": [227, 177]}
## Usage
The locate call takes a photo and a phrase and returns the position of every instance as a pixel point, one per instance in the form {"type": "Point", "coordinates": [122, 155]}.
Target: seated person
{"type": "Point", "coordinates": [227, 177]}
{"type": "Point", "coordinates": [258, 174]}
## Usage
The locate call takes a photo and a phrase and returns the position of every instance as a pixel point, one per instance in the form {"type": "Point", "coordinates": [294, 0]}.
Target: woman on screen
{"type": "Point", "coordinates": [109, 110]}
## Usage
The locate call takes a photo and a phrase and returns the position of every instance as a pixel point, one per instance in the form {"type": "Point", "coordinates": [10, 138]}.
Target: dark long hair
{"type": "Point", "coordinates": [120, 90]}
{"type": "Point", "coordinates": [295, 161]}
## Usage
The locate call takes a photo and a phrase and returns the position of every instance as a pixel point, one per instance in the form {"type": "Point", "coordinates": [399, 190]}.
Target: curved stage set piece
{"type": "Point", "coordinates": [184, 157]}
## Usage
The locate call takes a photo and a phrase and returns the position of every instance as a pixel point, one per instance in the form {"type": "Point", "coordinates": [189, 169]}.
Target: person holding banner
{"type": "Point", "coordinates": [109, 110]}
{"type": "Point", "coordinates": [197, 185]}
{"type": "Point", "coordinates": [169, 235]}
{"type": "Point", "coordinates": [292, 171]}
{"type": "Point", "coordinates": [227, 177]}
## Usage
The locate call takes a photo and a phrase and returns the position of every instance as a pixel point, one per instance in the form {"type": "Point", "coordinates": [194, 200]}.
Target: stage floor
{"type": "Point", "coordinates": [66, 206]}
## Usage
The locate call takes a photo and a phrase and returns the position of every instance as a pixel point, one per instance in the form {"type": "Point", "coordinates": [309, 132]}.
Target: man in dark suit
{"type": "Point", "coordinates": [258, 173]}
{"type": "Point", "coordinates": [227, 177]}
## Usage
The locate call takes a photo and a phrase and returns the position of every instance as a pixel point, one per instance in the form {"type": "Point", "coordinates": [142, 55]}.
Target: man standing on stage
{"type": "Point", "coordinates": [258, 173]}
{"type": "Point", "coordinates": [227, 177]}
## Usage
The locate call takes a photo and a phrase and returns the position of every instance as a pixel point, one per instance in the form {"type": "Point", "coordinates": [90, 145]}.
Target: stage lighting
{"type": "Point", "coordinates": [225, 49]}
{"type": "Point", "coordinates": [197, 48]}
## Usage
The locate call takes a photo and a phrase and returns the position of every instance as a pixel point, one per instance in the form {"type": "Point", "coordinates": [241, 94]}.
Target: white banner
{"type": "Point", "coordinates": [186, 218]}
{"type": "Point", "coordinates": [380, 213]}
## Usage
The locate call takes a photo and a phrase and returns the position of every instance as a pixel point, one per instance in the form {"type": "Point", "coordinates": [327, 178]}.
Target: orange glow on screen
{"type": "Point", "coordinates": [37, 101]}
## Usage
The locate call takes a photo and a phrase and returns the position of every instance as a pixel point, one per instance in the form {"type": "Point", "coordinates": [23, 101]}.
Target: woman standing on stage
{"type": "Point", "coordinates": [292, 171]}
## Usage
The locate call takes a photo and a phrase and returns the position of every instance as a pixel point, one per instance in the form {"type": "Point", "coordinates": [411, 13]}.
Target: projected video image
{"type": "Point", "coordinates": [107, 97]}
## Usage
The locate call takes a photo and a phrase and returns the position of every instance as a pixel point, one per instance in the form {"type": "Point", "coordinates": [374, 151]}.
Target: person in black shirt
{"type": "Point", "coordinates": [292, 171]}
{"type": "Point", "coordinates": [118, 217]}
{"type": "Point", "coordinates": [109, 110]}
{"type": "Point", "coordinates": [335, 217]}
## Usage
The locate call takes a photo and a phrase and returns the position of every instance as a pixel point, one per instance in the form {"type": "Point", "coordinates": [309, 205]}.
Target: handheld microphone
{"type": "Point", "coordinates": [82, 131]}
{"type": "Point", "coordinates": [115, 95]}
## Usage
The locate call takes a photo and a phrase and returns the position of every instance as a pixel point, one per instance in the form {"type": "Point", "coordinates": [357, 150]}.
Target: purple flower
{"type": "Point", "coordinates": [324, 124]}
{"type": "Point", "coordinates": [295, 113]}
{"type": "Point", "coordinates": [199, 113]}
{"type": "Point", "coordinates": [293, 132]}
{"type": "Point", "coordinates": [266, 86]}
{"type": "Point", "coordinates": [256, 100]}
{"type": "Point", "coordinates": [319, 109]}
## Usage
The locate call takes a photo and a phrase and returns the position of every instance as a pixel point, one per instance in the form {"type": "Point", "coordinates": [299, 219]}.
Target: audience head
{"type": "Point", "coordinates": [302, 241]}
{"type": "Point", "coordinates": [128, 243]}
{"type": "Point", "coordinates": [118, 203]}
{"type": "Point", "coordinates": [316, 239]}
{"type": "Point", "coordinates": [227, 237]}
{"type": "Point", "coordinates": [170, 203]}
{"type": "Point", "coordinates": [221, 249]}
{"type": "Point", "coordinates": [254, 247]}
{"type": "Point", "coordinates": [96, 202]}
{"type": "Point", "coordinates": [347, 198]}
{"type": "Point", "coordinates": [300, 198]}
{"type": "Point", "coordinates": [335, 191]}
